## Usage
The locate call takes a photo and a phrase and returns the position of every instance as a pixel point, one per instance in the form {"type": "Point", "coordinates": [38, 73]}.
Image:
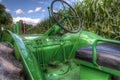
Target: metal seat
{"type": "Point", "coordinates": [108, 55]}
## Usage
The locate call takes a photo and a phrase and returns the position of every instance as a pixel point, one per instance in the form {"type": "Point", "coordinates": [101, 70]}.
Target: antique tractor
{"type": "Point", "coordinates": [65, 51]}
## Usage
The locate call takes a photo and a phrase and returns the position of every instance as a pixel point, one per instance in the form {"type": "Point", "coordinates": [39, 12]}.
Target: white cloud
{"type": "Point", "coordinates": [37, 9]}
{"type": "Point", "coordinates": [44, 2]}
{"type": "Point", "coordinates": [55, 11]}
{"type": "Point", "coordinates": [7, 10]}
{"type": "Point", "coordinates": [68, 1]}
{"type": "Point", "coordinates": [30, 11]}
{"type": "Point", "coordinates": [77, 0]}
{"type": "Point", "coordinates": [19, 11]}
{"type": "Point", "coordinates": [27, 20]}
{"type": "Point", "coordinates": [43, 10]}
{"type": "Point", "coordinates": [0, 0]}
{"type": "Point", "coordinates": [40, 2]}
{"type": "Point", "coordinates": [73, 1]}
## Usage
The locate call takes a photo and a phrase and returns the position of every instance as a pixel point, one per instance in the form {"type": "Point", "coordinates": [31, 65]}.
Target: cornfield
{"type": "Point", "coordinates": [40, 28]}
{"type": "Point", "coordinates": [99, 16]}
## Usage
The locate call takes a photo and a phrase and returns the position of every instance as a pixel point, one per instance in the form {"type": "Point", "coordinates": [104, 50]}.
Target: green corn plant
{"type": "Point", "coordinates": [99, 16]}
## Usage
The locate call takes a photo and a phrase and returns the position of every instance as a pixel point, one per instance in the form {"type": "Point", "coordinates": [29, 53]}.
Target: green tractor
{"type": "Point", "coordinates": [65, 51]}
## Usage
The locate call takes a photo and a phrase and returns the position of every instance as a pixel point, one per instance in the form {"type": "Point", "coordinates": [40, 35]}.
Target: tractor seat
{"type": "Point", "coordinates": [108, 55]}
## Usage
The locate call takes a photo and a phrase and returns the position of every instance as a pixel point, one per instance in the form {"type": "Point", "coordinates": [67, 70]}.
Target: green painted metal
{"type": "Point", "coordinates": [16, 28]}
{"type": "Point", "coordinates": [94, 55]}
{"type": "Point", "coordinates": [30, 64]}
{"type": "Point", "coordinates": [55, 29]}
{"type": "Point", "coordinates": [51, 56]}
{"type": "Point", "coordinates": [58, 48]}
{"type": "Point", "coordinates": [64, 71]}
{"type": "Point", "coordinates": [100, 68]}
{"type": "Point", "coordinates": [86, 74]}
{"type": "Point", "coordinates": [44, 50]}
{"type": "Point", "coordinates": [94, 47]}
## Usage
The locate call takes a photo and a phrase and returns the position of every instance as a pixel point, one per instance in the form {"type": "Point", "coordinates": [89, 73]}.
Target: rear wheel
{"type": "Point", "coordinates": [115, 78]}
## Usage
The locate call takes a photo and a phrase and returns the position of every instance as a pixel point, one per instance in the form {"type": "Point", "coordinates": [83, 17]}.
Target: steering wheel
{"type": "Point", "coordinates": [65, 16]}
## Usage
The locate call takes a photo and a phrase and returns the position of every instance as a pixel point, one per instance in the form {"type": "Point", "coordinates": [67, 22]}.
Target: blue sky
{"type": "Point", "coordinates": [30, 11]}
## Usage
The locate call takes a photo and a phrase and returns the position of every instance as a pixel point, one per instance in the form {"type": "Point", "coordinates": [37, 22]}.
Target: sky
{"type": "Point", "coordinates": [30, 11]}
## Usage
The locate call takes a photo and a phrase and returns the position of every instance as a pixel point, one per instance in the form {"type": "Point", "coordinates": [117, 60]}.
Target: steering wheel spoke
{"type": "Point", "coordinates": [70, 25]}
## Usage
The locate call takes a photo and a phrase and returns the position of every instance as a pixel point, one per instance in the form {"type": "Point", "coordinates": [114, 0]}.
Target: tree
{"type": "Point", "coordinates": [5, 18]}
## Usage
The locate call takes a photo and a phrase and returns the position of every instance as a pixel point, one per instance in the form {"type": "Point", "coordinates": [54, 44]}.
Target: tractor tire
{"type": "Point", "coordinates": [10, 67]}
{"type": "Point", "coordinates": [115, 78]}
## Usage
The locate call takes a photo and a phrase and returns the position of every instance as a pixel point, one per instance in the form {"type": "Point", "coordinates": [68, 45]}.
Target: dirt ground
{"type": "Point", "coordinates": [10, 67]}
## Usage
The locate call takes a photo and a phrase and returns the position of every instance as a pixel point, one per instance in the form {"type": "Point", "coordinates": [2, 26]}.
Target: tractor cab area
{"type": "Point", "coordinates": [73, 55]}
